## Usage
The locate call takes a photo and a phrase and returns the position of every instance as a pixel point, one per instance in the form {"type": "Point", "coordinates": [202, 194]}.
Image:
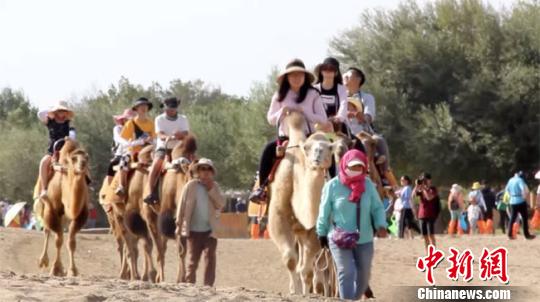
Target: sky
{"type": "Point", "coordinates": [64, 50]}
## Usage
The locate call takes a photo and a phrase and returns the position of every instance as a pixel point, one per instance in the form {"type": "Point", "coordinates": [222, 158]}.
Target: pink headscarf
{"type": "Point", "coordinates": [357, 183]}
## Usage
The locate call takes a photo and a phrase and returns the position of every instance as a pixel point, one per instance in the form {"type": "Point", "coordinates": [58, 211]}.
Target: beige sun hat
{"type": "Point", "coordinates": [356, 103]}
{"type": "Point", "coordinates": [205, 162]}
{"type": "Point", "coordinates": [61, 106]}
{"type": "Point", "coordinates": [296, 65]}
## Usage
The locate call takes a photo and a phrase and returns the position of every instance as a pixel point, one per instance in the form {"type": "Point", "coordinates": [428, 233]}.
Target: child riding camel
{"type": "Point", "coordinates": [139, 131]}
{"type": "Point", "coordinates": [57, 120]}
{"type": "Point", "coordinates": [120, 144]}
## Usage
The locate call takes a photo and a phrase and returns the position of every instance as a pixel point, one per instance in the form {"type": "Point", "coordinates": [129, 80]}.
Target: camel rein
{"type": "Point", "coordinates": [323, 254]}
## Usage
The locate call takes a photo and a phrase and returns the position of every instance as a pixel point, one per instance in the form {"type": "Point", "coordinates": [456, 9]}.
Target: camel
{"type": "Point", "coordinates": [114, 228]}
{"type": "Point", "coordinates": [128, 224]}
{"type": "Point", "coordinates": [294, 202]}
{"type": "Point", "coordinates": [67, 201]}
{"type": "Point", "coordinates": [160, 218]}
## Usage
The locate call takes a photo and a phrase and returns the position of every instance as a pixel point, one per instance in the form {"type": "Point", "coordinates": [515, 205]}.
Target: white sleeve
{"type": "Point", "coordinates": [185, 124]}
{"type": "Point", "coordinates": [343, 103]}
{"type": "Point", "coordinates": [157, 125]}
{"type": "Point", "coordinates": [43, 115]}
{"type": "Point", "coordinates": [369, 105]}
{"type": "Point", "coordinates": [118, 138]}
{"type": "Point", "coordinates": [274, 112]}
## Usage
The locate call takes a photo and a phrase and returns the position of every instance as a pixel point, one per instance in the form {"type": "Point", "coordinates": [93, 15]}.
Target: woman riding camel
{"type": "Point", "coordinates": [330, 85]}
{"type": "Point", "coordinates": [139, 131]}
{"type": "Point", "coordinates": [57, 120]}
{"type": "Point", "coordinates": [120, 144]}
{"type": "Point", "coordinates": [295, 93]}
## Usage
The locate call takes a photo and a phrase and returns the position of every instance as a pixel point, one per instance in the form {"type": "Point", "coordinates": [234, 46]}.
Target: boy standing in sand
{"type": "Point", "coordinates": [197, 219]}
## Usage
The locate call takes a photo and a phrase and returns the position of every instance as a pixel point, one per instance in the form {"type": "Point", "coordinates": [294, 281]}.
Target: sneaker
{"type": "Point", "coordinates": [258, 196]}
{"type": "Point", "coordinates": [120, 191]}
{"type": "Point", "coordinates": [530, 237]}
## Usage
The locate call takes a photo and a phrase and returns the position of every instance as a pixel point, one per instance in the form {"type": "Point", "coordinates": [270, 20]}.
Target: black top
{"type": "Point", "coordinates": [330, 100]}
{"type": "Point", "coordinates": [56, 131]}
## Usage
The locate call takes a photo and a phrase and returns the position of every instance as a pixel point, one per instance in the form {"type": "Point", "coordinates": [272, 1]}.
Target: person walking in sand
{"type": "Point", "coordinates": [197, 220]}
{"type": "Point", "coordinates": [429, 207]}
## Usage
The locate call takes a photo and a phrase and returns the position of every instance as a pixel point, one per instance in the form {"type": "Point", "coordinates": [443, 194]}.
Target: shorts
{"type": "Point", "coordinates": [427, 226]}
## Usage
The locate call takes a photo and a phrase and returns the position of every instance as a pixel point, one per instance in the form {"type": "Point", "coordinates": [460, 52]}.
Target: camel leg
{"type": "Point", "coordinates": [149, 273]}
{"type": "Point", "coordinates": [310, 245]}
{"type": "Point", "coordinates": [280, 230]}
{"type": "Point", "coordinates": [57, 268]}
{"type": "Point", "coordinates": [130, 242]}
{"type": "Point", "coordinates": [151, 222]}
{"type": "Point", "coordinates": [181, 274]}
{"type": "Point", "coordinates": [44, 259]}
{"type": "Point", "coordinates": [124, 268]}
{"type": "Point", "coordinates": [74, 227]}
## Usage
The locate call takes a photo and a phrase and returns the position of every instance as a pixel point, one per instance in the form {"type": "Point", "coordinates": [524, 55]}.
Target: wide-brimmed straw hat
{"type": "Point", "coordinates": [476, 186]}
{"type": "Point", "coordinates": [205, 162]}
{"type": "Point", "coordinates": [142, 101]}
{"type": "Point", "coordinates": [356, 103]}
{"type": "Point", "coordinates": [127, 114]}
{"type": "Point", "coordinates": [61, 106]}
{"type": "Point", "coordinates": [293, 66]}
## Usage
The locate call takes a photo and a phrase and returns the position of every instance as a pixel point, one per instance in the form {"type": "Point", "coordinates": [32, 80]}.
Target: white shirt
{"type": "Point", "coordinates": [168, 127]}
{"type": "Point", "coordinates": [120, 142]}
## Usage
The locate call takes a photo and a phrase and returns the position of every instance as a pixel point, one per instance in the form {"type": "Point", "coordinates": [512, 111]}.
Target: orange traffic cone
{"type": "Point", "coordinates": [452, 227]}
{"type": "Point", "coordinates": [535, 221]}
{"type": "Point", "coordinates": [255, 231]}
{"type": "Point", "coordinates": [515, 229]}
{"type": "Point", "coordinates": [480, 225]}
{"type": "Point", "coordinates": [489, 226]}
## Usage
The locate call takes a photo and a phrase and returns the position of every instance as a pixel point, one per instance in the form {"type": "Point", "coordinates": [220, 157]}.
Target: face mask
{"type": "Point", "coordinates": [352, 173]}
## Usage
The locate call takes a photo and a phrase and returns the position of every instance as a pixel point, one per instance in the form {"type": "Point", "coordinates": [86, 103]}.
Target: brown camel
{"type": "Point", "coordinates": [67, 200]}
{"type": "Point", "coordinates": [160, 218]}
{"type": "Point", "coordinates": [128, 222]}
{"type": "Point", "coordinates": [294, 201]}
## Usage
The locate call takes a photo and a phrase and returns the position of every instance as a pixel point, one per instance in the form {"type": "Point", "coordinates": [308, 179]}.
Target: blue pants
{"type": "Point", "coordinates": [353, 269]}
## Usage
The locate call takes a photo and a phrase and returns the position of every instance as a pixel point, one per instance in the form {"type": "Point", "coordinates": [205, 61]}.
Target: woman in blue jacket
{"type": "Point", "coordinates": [349, 235]}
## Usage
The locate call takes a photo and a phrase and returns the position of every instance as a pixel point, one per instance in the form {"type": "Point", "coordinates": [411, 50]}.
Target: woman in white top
{"type": "Point", "coordinates": [295, 93]}
{"type": "Point", "coordinates": [330, 85]}
{"type": "Point", "coordinates": [120, 144]}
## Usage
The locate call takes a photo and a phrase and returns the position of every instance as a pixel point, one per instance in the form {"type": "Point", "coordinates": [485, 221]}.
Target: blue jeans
{"type": "Point", "coordinates": [353, 268]}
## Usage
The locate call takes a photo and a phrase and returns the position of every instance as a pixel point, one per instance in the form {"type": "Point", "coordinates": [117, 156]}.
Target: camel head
{"type": "Point", "coordinates": [186, 148]}
{"type": "Point", "coordinates": [318, 150]}
{"type": "Point", "coordinates": [78, 161]}
{"type": "Point", "coordinates": [342, 144]}
{"type": "Point", "coordinates": [69, 145]}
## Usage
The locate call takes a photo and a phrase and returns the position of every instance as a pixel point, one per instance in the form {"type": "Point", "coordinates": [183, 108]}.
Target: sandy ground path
{"type": "Point", "coordinates": [246, 270]}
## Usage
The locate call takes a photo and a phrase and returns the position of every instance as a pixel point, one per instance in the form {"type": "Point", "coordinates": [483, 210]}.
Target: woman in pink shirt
{"type": "Point", "coordinates": [295, 93]}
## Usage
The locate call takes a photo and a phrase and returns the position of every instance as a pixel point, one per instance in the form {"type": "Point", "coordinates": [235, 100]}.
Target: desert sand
{"type": "Point", "coordinates": [247, 270]}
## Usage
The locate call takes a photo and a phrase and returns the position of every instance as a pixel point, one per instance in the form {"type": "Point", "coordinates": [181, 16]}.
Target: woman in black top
{"type": "Point", "coordinates": [57, 120]}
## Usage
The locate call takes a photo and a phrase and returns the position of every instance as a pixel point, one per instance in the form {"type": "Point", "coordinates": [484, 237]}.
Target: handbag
{"type": "Point", "coordinates": [345, 239]}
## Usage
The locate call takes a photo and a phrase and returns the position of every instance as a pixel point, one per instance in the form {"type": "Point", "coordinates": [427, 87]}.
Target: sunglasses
{"type": "Point", "coordinates": [205, 169]}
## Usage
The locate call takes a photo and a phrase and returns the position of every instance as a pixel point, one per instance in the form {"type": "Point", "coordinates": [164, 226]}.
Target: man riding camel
{"type": "Point", "coordinates": [361, 115]}
{"type": "Point", "coordinates": [57, 120]}
{"type": "Point", "coordinates": [171, 128]}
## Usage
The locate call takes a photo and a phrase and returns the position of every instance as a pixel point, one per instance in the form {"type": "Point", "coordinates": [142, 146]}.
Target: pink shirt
{"type": "Point", "coordinates": [312, 108]}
